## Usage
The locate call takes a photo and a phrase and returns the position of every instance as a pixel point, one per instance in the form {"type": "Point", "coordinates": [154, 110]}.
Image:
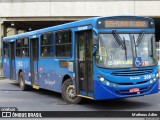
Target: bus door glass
{"type": "Point", "coordinates": [34, 60]}
{"type": "Point", "coordinates": [12, 60]}
{"type": "Point", "coordinates": [84, 63]}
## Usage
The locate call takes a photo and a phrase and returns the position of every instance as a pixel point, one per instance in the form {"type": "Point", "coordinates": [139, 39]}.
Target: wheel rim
{"type": "Point", "coordinates": [71, 92]}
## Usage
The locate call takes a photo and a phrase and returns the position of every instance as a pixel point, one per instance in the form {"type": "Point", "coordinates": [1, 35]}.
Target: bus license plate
{"type": "Point", "coordinates": [133, 90]}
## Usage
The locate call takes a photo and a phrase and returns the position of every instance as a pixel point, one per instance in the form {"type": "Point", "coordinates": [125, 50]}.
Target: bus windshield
{"type": "Point", "coordinates": [119, 51]}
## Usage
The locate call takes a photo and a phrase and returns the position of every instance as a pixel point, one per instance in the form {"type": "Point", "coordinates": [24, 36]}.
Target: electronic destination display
{"type": "Point", "coordinates": [124, 23]}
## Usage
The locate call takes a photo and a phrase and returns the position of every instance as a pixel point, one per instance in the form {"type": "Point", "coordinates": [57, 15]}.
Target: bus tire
{"type": "Point", "coordinates": [68, 92]}
{"type": "Point", "coordinates": [21, 82]}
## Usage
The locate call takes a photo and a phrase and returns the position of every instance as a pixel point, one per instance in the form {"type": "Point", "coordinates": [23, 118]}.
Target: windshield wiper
{"type": "Point", "coordinates": [139, 39]}
{"type": "Point", "coordinates": [152, 52]}
{"type": "Point", "coordinates": [119, 40]}
{"type": "Point", "coordinates": [133, 45]}
{"type": "Point", "coordinates": [125, 48]}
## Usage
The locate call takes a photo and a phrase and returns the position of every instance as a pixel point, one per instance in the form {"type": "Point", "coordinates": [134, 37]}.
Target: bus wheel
{"type": "Point", "coordinates": [68, 92]}
{"type": "Point", "coordinates": [22, 82]}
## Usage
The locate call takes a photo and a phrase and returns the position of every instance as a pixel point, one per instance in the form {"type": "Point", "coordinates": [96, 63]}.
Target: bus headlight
{"type": "Point", "coordinates": [101, 79]}
{"type": "Point", "coordinates": [107, 83]}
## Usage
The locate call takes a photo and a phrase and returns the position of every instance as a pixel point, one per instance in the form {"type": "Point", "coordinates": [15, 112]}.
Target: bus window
{"type": "Point", "coordinates": [63, 44]}
{"type": "Point", "coordinates": [18, 48]}
{"type": "Point", "coordinates": [5, 49]}
{"type": "Point", "coordinates": [47, 45]}
{"type": "Point", "coordinates": [25, 48]}
{"type": "Point", "coordinates": [22, 48]}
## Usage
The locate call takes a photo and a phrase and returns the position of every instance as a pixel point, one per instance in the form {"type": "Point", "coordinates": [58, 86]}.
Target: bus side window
{"type": "Point", "coordinates": [25, 48]}
{"type": "Point", "coordinates": [18, 48]}
{"type": "Point", "coordinates": [63, 44]}
{"type": "Point", "coordinates": [47, 45]}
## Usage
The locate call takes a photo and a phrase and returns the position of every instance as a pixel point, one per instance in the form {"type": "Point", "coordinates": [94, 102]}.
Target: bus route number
{"type": "Point", "coordinates": [146, 77]}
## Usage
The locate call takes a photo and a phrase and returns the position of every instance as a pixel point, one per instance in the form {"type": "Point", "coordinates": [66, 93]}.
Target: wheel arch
{"type": "Point", "coordinates": [65, 77]}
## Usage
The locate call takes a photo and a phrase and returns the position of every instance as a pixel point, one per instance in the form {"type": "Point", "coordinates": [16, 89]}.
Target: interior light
{"type": "Point", "coordinates": [12, 23]}
{"type": "Point", "coordinates": [30, 28]}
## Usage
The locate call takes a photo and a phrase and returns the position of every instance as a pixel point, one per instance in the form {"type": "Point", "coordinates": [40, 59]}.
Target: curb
{"type": "Point", "coordinates": [2, 77]}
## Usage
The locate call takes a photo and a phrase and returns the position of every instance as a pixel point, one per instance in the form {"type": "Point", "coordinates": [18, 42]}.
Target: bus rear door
{"type": "Point", "coordinates": [84, 69]}
{"type": "Point", "coordinates": [34, 54]}
{"type": "Point", "coordinates": [12, 60]}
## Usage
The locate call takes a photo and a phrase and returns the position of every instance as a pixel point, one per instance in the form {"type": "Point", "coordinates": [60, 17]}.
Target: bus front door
{"type": "Point", "coordinates": [12, 61]}
{"type": "Point", "coordinates": [84, 69]}
{"type": "Point", "coordinates": [34, 60]}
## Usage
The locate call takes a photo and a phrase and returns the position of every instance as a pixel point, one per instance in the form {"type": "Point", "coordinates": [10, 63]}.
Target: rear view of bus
{"type": "Point", "coordinates": [125, 58]}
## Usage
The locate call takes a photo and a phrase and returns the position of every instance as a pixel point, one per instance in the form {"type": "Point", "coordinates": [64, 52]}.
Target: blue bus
{"type": "Point", "coordinates": [97, 58]}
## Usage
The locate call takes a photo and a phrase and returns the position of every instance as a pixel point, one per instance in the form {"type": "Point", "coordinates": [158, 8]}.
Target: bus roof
{"type": "Point", "coordinates": [88, 21]}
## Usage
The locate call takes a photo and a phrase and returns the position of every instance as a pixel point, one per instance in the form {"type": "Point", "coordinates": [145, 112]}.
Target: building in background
{"type": "Point", "coordinates": [18, 16]}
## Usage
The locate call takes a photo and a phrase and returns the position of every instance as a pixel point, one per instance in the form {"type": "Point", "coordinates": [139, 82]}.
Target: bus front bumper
{"type": "Point", "coordinates": [102, 92]}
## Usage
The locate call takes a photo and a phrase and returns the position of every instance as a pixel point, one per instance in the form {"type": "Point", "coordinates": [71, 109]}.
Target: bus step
{"type": "Point", "coordinates": [85, 96]}
{"type": "Point", "coordinates": [35, 87]}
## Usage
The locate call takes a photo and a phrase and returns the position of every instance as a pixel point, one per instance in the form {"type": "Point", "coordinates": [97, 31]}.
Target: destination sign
{"type": "Point", "coordinates": [126, 23]}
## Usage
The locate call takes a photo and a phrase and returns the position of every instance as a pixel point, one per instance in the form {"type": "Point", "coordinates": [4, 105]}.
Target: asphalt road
{"type": "Point", "coordinates": [44, 100]}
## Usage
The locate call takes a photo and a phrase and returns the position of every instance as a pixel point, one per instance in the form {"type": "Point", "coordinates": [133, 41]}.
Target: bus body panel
{"type": "Point", "coordinates": [6, 68]}
{"type": "Point", "coordinates": [51, 74]}
{"type": "Point", "coordinates": [26, 70]}
{"type": "Point", "coordinates": [22, 64]}
{"type": "Point", "coordinates": [46, 70]}
{"type": "Point", "coordinates": [60, 73]}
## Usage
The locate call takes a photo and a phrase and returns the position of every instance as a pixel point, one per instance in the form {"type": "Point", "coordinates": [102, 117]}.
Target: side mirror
{"type": "Point", "coordinates": [95, 41]}
{"type": "Point", "coordinates": [95, 38]}
{"type": "Point", "coordinates": [94, 49]}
